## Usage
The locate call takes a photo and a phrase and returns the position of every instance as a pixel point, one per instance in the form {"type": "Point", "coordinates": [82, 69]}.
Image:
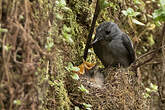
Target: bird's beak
{"type": "Point", "coordinates": [96, 40]}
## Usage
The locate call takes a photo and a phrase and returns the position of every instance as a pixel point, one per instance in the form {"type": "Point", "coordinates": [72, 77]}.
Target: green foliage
{"type": "Point", "coordinates": [76, 108]}
{"type": "Point", "coordinates": [70, 67]}
{"type": "Point", "coordinates": [59, 16]}
{"type": "Point", "coordinates": [87, 106]}
{"type": "Point", "coordinates": [150, 39]}
{"type": "Point", "coordinates": [83, 89]}
{"type": "Point", "coordinates": [61, 3]}
{"type": "Point", "coordinates": [75, 76]}
{"type": "Point", "coordinates": [146, 95]}
{"type": "Point", "coordinates": [103, 4]}
{"type": "Point", "coordinates": [3, 30]}
{"type": "Point", "coordinates": [7, 47]}
{"type": "Point", "coordinates": [49, 43]}
{"type": "Point", "coordinates": [67, 34]}
{"type": "Point", "coordinates": [159, 14]}
{"type": "Point", "coordinates": [137, 2]}
{"type": "Point", "coordinates": [153, 88]}
{"type": "Point", "coordinates": [21, 17]}
{"type": "Point", "coordinates": [114, 6]}
{"type": "Point", "coordinates": [17, 102]}
{"type": "Point", "coordinates": [130, 12]}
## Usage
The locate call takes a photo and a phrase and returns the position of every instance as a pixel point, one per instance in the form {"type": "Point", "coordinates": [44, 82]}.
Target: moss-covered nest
{"type": "Point", "coordinates": [120, 91]}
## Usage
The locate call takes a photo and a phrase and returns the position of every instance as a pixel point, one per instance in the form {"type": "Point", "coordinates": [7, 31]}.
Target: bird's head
{"type": "Point", "coordinates": [106, 31]}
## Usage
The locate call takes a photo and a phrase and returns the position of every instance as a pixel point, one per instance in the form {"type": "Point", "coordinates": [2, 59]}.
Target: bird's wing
{"type": "Point", "coordinates": [128, 44]}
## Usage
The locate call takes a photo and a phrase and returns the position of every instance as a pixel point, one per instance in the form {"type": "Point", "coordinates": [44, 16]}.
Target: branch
{"type": "Point", "coordinates": [151, 52]}
{"type": "Point", "coordinates": [97, 11]}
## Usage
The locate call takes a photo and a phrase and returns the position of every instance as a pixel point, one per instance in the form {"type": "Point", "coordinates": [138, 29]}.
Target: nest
{"type": "Point", "coordinates": [119, 91]}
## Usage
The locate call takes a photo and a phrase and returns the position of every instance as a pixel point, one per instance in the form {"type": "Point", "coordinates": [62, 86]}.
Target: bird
{"type": "Point", "coordinates": [112, 46]}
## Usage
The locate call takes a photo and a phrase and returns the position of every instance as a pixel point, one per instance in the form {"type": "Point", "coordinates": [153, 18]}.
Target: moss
{"type": "Point", "coordinates": [60, 90]}
{"type": "Point", "coordinates": [81, 10]}
{"type": "Point", "coordinates": [53, 94]}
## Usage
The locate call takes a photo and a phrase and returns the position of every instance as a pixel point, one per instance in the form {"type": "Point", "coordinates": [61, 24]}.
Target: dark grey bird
{"type": "Point", "coordinates": [112, 46]}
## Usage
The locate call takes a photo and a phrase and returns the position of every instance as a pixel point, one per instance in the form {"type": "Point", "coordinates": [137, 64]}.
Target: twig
{"type": "Point", "coordinates": [153, 51]}
{"type": "Point", "coordinates": [97, 11]}
{"type": "Point", "coordinates": [146, 54]}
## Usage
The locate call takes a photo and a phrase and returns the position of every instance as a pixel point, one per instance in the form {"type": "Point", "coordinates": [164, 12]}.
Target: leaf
{"type": "Point", "coordinates": [159, 15]}
{"type": "Point", "coordinates": [154, 87]}
{"type": "Point", "coordinates": [137, 1]}
{"type": "Point", "coordinates": [75, 76]}
{"type": "Point", "coordinates": [3, 30]}
{"type": "Point", "coordinates": [162, 3]}
{"type": "Point", "coordinates": [136, 13]}
{"type": "Point", "coordinates": [146, 95]}
{"type": "Point", "coordinates": [151, 27]}
{"type": "Point", "coordinates": [58, 16]}
{"type": "Point", "coordinates": [66, 29]}
{"type": "Point", "coordinates": [70, 65]}
{"type": "Point", "coordinates": [17, 102]}
{"type": "Point", "coordinates": [137, 22]}
{"type": "Point", "coordinates": [83, 89]}
{"type": "Point", "coordinates": [130, 12]}
{"type": "Point", "coordinates": [124, 12]}
{"type": "Point", "coordinates": [151, 40]}
{"type": "Point", "coordinates": [87, 106]}
{"type": "Point", "coordinates": [7, 47]}
{"type": "Point", "coordinates": [103, 4]}
{"type": "Point", "coordinates": [76, 108]}
{"type": "Point", "coordinates": [72, 68]}
{"type": "Point", "coordinates": [148, 90]}
{"type": "Point", "coordinates": [114, 6]}
{"type": "Point", "coordinates": [68, 37]}
{"type": "Point", "coordinates": [61, 3]}
{"type": "Point", "coordinates": [66, 9]}
{"type": "Point", "coordinates": [75, 69]}
{"type": "Point", "coordinates": [21, 17]}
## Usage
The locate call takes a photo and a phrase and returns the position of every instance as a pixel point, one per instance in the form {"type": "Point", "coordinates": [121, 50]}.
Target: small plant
{"type": "Point", "coordinates": [132, 14]}
{"type": "Point", "coordinates": [17, 102]}
{"type": "Point", "coordinates": [87, 106]}
{"type": "Point", "coordinates": [61, 3]}
{"type": "Point", "coordinates": [72, 68]}
{"type": "Point", "coordinates": [83, 89]}
{"type": "Point", "coordinates": [159, 14]}
{"type": "Point", "coordinates": [76, 108]}
{"type": "Point", "coordinates": [153, 88]}
{"type": "Point", "coordinates": [7, 47]}
{"type": "Point", "coordinates": [3, 30]}
{"type": "Point", "coordinates": [67, 35]}
{"type": "Point", "coordinates": [49, 43]}
{"type": "Point", "coordinates": [75, 76]}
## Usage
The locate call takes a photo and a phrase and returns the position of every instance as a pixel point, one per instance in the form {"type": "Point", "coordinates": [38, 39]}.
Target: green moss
{"type": "Point", "coordinates": [52, 92]}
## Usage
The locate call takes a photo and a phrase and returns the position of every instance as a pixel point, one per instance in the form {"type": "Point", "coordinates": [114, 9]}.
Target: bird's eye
{"type": "Point", "coordinates": [107, 32]}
